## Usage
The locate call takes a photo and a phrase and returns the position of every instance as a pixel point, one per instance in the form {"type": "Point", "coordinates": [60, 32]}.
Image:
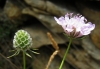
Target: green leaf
{"type": "Point", "coordinates": [35, 49]}
{"type": "Point", "coordinates": [16, 53]}
{"type": "Point", "coordinates": [66, 35]}
{"type": "Point", "coordinates": [28, 55]}
{"type": "Point", "coordinates": [12, 50]}
{"type": "Point", "coordinates": [80, 38]}
{"type": "Point", "coordinates": [34, 52]}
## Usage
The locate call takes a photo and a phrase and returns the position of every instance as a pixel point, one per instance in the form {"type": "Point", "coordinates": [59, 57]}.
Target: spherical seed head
{"type": "Point", "coordinates": [22, 40]}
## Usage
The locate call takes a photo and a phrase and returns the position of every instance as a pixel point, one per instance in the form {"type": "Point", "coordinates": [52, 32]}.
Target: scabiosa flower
{"type": "Point", "coordinates": [22, 40]}
{"type": "Point", "coordinates": [75, 26]}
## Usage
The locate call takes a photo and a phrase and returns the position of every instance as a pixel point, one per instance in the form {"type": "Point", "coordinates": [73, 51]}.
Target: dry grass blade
{"type": "Point", "coordinates": [51, 58]}
{"type": "Point", "coordinates": [55, 45]}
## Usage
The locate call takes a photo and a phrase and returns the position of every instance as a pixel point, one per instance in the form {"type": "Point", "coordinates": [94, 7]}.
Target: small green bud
{"type": "Point", "coordinates": [22, 40]}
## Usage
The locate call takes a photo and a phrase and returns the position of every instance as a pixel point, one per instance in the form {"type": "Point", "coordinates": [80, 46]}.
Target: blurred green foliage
{"type": "Point", "coordinates": [7, 28]}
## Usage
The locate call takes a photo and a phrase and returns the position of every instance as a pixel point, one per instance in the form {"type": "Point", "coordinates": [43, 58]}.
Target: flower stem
{"type": "Point", "coordinates": [65, 53]}
{"type": "Point", "coordinates": [24, 60]}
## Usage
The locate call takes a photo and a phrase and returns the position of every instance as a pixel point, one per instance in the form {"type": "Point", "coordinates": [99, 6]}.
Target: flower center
{"type": "Point", "coordinates": [74, 33]}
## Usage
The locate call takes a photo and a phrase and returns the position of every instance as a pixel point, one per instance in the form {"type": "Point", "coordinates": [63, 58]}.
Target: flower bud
{"type": "Point", "coordinates": [22, 40]}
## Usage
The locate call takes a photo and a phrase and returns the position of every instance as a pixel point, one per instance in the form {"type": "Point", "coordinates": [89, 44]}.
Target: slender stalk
{"type": "Point", "coordinates": [65, 53]}
{"type": "Point", "coordinates": [24, 60]}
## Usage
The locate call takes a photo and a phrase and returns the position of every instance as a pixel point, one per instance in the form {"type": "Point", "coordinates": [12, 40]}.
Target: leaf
{"type": "Point", "coordinates": [16, 53]}
{"type": "Point", "coordinates": [35, 49]}
{"type": "Point", "coordinates": [34, 52]}
{"type": "Point", "coordinates": [11, 50]}
{"type": "Point", "coordinates": [28, 55]}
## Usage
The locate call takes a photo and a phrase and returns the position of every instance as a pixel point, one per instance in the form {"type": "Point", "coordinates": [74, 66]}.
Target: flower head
{"type": "Point", "coordinates": [22, 40]}
{"type": "Point", "coordinates": [75, 26]}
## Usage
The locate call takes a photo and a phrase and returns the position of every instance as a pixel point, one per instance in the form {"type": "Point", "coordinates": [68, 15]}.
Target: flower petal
{"type": "Point", "coordinates": [60, 21]}
{"type": "Point", "coordinates": [87, 28]}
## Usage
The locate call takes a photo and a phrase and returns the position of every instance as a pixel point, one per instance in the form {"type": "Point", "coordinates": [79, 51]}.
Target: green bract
{"type": "Point", "coordinates": [22, 40]}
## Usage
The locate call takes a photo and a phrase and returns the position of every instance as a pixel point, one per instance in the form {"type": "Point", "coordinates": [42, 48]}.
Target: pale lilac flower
{"type": "Point", "coordinates": [75, 26]}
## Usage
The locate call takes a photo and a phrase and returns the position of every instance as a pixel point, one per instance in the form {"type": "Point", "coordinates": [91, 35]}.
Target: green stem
{"type": "Point", "coordinates": [65, 54]}
{"type": "Point", "coordinates": [24, 60]}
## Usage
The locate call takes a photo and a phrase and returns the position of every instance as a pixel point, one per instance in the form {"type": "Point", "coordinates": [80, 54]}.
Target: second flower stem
{"type": "Point", "coordinates": [24, 60]}
{"type": "Point", "coordinates": [65, 53]}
